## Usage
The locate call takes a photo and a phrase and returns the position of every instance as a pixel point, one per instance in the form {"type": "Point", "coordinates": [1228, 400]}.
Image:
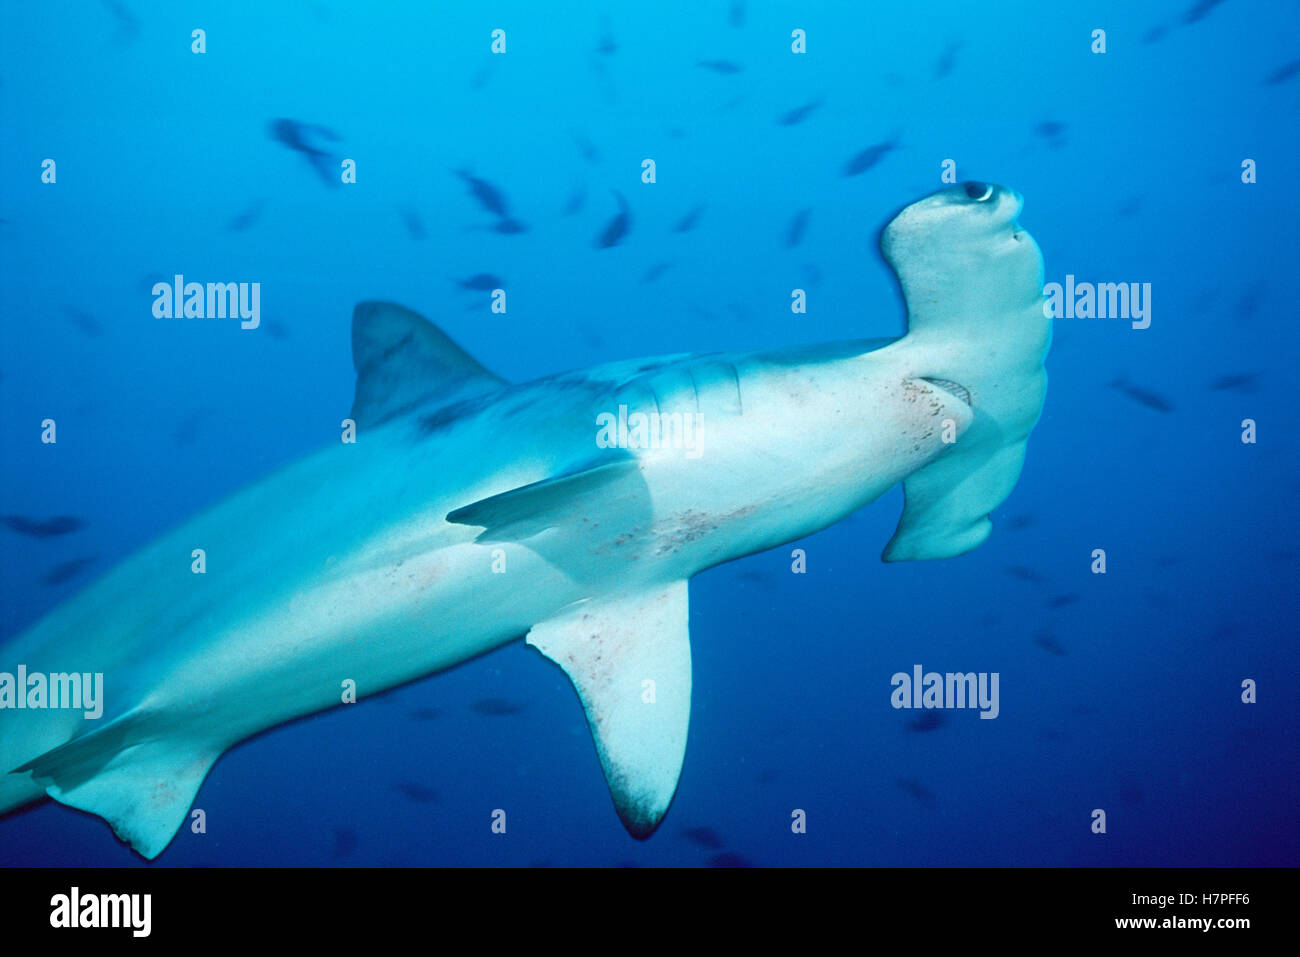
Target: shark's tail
{"type": "Point", "coordinates": [972, 280]}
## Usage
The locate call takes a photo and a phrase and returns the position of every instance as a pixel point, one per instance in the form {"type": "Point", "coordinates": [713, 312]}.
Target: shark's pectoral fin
{"type": "Point", "coordinates": [143, 784]}
{"type": "Point", "coordinates": [403, 360]}
{"type": "Point", "coordinates": [582, 493]}
{"type": "Point", "coordinates": [630, 660]}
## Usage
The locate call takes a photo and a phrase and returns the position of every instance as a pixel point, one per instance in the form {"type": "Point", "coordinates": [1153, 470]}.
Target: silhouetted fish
{"type": "Point", "coordinates": [607, 45]}
{"type": "Point", "coordinates": [1017, 523]}
{"type": "Point", "coordinates": [927, 720]}
{"type": "Point", "coordinates": [66, 571]}
{"type": "Point", "coordinates": [704, 837]}
{"type": "Point", "coordinates": [617, 228]}
{"type": "Point", "coordinates": [947, 60]}
{"type": "Point", "coordinates": [1199, 10]}
{"type": "Point", "coordinates": [249, 215]}
{"type": "Point", "coordinates": [720, 66]}
{"type": "Point", "coordinates": [655, 272]}
{"type": "Point", "coordinates": [495, 707]}
{"type": "Point", "coordinates": [295, 135]}
{"type": "Point", "coordinates": [1023, 573]}
{"type": "Point", "coordinates": [1155, 34]}
{"type": "Point", "coordinates": [585, 147]}
{"type": "Point", "coordinates": [915, 789]}
{"type": "Point", "coordinates": [1052, 131]}
{"type": "Point", "coordinates": [414, 226]}
{"type": "Point", "coordinates": [1283, 73]}
{"type": "Point", "coordinates": [416, 792]}
{"type": "Point", "coordinates": [485, 194]}
{"type": "Point", "coordinates": [869, 157]}
{"type": "Point", "coordinates": [798, 225]}
{"type": "Point", "coordinates": [1235, 382]}
{"type": "Point", "coordinates": [84, 321]}
{"type": "Point", "coordinates": [1142, 396]}
{"type": "Point", "coordinates": [60, 525]}
{"type": "Point", "coordinates": [509, 226]}
{"type": "Point", "coordinates": [577, 199]}
{"type": "Point", "coordinates": [799, 114]}
{"type": "Point", "coordinates": [425, 714]}
{"type": "Point", "coordinates": [188, 428]}
{"type": "Point", "coordinates": [1049, 643]}
{"type": "Point", "coordinates": [729, 859]}
{"type": "Point", "coordinates": [345, 842]}
{"type": "Point", "coordinates": [481, 282]}
{"type": "Point", "coordinates": [690, 220]}
{"type": "Point", "coordinates": [1061, 601]}
{"type": "Point", "coordinates": [736, 14]}
{"type": "Point", "coordinates": [128, 27]}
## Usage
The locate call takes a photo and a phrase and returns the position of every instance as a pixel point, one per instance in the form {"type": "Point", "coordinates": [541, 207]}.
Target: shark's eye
{"type": "Point", "coordinates": [980, 192]}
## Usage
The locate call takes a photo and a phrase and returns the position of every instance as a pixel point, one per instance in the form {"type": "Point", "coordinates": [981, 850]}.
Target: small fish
{"type": "Point", "coordinates": [1283, 73]}
{"type": "Point", "coordinates": [690, 220]}
{"type": "Point", "coordinates": [617, 228]}
{"type": "Point", "coordinates": [736, 14]}
{"type": "Point", "coordinates": [1143, 396]}
{"type": "Point", "coordinates": [577, 199]}
{"type": "Point", "coordinates": [296, 136]}
{"type": "Point", "coordinates": [1063, 600]}
{"type": "Point", "coordinates": [84, 321]}
{"type": "Point", "coordinates": [1023, 573]}
{"type": "Point", "coordinates": [509, 226]}
{"type": "Point", "coordinates": [128, 27]}
{"type": "Point", "coordinates": [481, 282]}
{"type": "Point", "coordinates": [1199, 10]}
{"type": "Point", "coordinates": [704, 837]}
{"type": "Point", "coordinates": [585, 147]}
{"type": "Point", "coordinates": [607, 45]}
{"type": "Point", "coordinates": [247, 216]}
{"type": "Point", "coordinates": [1235, 382]}
{"type": "Point", "coordinates": [485, 194]}
{"type": "Point", "coordinates": [188, 428]}
{"type": "Point", "coordinates": [414, 225]}
{"type": "Point", "coordinates": [66, 571]}
{"type": "Point", "coordinates": [425, 714]}
{"type": "Point", "coordinates": [798, 226]}
{"type": "Point", "coordinates": [34, 528]}
{"type": "Point", "coordinates": [345, 842]}
{"type": "Point", "coordinates": [495, 707]}
{"type": "Point", "coordinates": [869, 157]}
{"type": "Point", "coordinates": [720, 66]}
{"type": "Point", "coordinates": [1050, 129]}
{"type": "Point", "coordinates": [416, 792]}
{"type": "Point", "coordinates": [947, 60]}
{"type": "Point", "coordinates": [655, 272]}
{"type": "Point", "coordinates": [1155, 34]}
{"type": "Point", "coordinates": [1018, 523]}
{"type": "Point", "coordinates": [1050, 644]}
{"type": "Point", "coordinates": [916, 789]}
{"type": "Point", "coordinates": [927, 720]}
{"type": "Point", "coordinates": [799, 114]}
{"type": "Point", "coordinates": [729, 859]}
{"type": "Point", "coordinates": [812, 274]}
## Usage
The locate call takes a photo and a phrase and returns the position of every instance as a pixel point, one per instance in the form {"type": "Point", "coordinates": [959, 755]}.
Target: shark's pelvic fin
{"type": "Point", "coordinates": [142, 783]}
{"type": "Point", "coordinates": [561, 500]}
{"type": "Point", "coordinates": [630, 660]}
{"type": "Point", "coordinates": [403, 360]}
{"type": "Point", "coordinates": [973, 283]}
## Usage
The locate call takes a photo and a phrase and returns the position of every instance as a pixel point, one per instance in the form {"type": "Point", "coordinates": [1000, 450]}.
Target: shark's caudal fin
{"type": "Point", "coordinates": [403, 360]}
{"type": "Point", "coordinates": [629, 658]}
{"type": "Point", "coordinates": [973, 281]}
{"type": "Point", "coordinates": [141, 781]}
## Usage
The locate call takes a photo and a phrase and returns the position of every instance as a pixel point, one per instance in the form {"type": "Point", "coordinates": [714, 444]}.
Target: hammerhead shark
{"type": "Point", "coordinates": [459, 512]}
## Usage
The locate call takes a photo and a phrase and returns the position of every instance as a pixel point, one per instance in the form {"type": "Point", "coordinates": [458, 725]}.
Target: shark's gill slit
{"type": "Point", "coordinates": [956, 388]}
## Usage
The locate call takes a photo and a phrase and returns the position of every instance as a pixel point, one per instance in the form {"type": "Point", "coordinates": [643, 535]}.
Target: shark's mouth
{"type": "Point", "coordinates": [956, 388]}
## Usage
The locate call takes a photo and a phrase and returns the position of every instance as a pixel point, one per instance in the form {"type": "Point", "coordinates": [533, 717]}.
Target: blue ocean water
{"type": "Point", "coordinates": [1119, 691]}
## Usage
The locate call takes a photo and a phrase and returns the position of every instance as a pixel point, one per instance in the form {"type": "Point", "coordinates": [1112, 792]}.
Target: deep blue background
{"type": "Point", "coordinates": [1126, 698]}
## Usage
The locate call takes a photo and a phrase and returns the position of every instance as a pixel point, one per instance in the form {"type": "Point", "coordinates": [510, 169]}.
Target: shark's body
{"type": "Point", "coordinates": [469, 512]}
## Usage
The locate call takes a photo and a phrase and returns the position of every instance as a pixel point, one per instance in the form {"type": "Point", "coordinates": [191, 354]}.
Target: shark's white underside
{"type": "Point", "coordinates": [374, 561]}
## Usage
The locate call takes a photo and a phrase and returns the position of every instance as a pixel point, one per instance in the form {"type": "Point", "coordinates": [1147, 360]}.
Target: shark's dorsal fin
{"type": "Point", "coordinates": [629, 658]}
{"type": "Point", "coordinates": [403, 360]}
{"type": "Point", "coordinates": [140, 781]}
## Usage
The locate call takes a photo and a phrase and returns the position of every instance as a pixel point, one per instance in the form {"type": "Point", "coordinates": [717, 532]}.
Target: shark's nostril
{"type": "Point", "coordinates": [956, 388]}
